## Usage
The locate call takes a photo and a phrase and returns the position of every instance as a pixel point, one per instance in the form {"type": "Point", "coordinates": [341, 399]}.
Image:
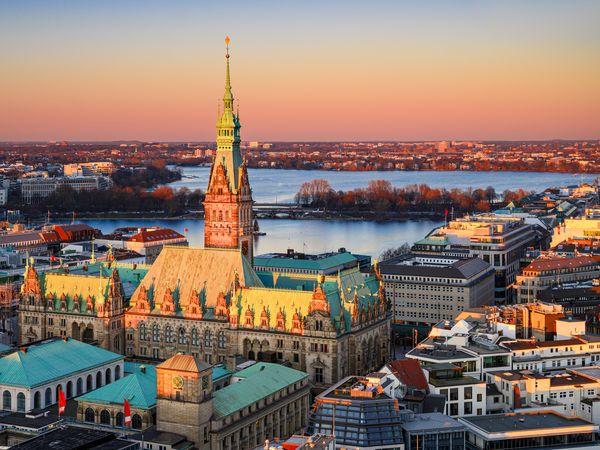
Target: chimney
{"type": "Point", "coordinates": [231, 363]}
{"type": "Point", "coordinates": [143, 368]}
{"type": "Point", "coordinates": [23, 349]}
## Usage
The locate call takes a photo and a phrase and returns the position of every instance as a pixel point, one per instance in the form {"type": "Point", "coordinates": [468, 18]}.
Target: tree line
{"type": "Point", "coordinates": [381, 196]}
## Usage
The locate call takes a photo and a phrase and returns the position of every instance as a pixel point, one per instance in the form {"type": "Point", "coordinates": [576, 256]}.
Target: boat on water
{"type": "Point", "coordinates": [257, 231]}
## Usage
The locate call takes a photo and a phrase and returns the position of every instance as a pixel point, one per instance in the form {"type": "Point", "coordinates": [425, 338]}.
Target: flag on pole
{"type": "Point", "coordinates": [446, 212]}
{"type": "Point", "coordinates": [127, 414]}
{"type": "Point", "coordinates": [62, 402]}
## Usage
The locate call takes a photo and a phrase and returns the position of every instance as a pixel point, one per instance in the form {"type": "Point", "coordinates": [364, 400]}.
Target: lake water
{"type": "Point", "coordinates": [278, 185]}
{"type": "Point", "coordinates": [368, 237]}
{"type": "Point", "coordinates": [365, 237]}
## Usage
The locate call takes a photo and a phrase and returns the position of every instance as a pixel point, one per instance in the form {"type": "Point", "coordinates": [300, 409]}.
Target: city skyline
{"type": "Point", "coordinates": [335, 72]}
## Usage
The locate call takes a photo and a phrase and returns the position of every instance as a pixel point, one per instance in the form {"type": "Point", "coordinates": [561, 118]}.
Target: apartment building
{"type": "Point", "coordinates": [471, 345]}
{"type": "Point", "coordinates": [424, 289]}
{"type": "Point", "coordinates": [547, 272]}
{"type": "Point", "coordinates": [563, 392]}
{"type": "Point", "coordinates": [465, 395]}
{"type": "Point", "coordinates": [542, 356]}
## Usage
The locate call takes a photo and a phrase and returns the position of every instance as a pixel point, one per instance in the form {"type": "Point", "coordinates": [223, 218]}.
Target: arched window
{"type": "Point", "coordinates": [98, 380]}
{"type": "Point", "coordinates": [89, 384]}
{"type": "Point", "coordinates": [136, 422]}
{"type": "Point", "coordinates": [117, 372]}
{"type": "Point", "coordinates": [221, 339]}
{"type": "Point", "coordinates": [181, 336]}
{"type": "Point", "coordinates": [119, 419]}
{"type": "Point", "coordinates": [155, 333]}
{"type": "Point", "coordinates": [168, 334]}
{"type": "Point", "coordinates": [69, 389]}
{"type": "Point", "coordinates": [90, 416]}
{"type": "Point", "coordinates": [20, 402]}
{"type": "Point", "coordinates": [195, 337]}
{"type": "Point", "coordinates": [79, 386]}
{"type": "Point", "coordinates": [108, 378]}
{"type": "Point", "coordinates": [48, 397]}
{"type": "Point", "coordinates": [105, 417]}
{"type": "Point", "coordinates": [143, 332]}
{"type": "Point", "coordinates": [37, 400]}
{"type": "Point", "coordinates": [7, 401]}
{"type": "Point", "coordinates": [207, 338]}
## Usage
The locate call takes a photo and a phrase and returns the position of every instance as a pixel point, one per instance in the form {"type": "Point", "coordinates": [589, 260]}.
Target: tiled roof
{"type": "Point", "coordinates": [209, 271]}
{"type": "Point", "coordinates": [258, 381]}
{"type": "Point", "coordinates": [461, 269]}
{"type": "Point", "coordinates": [50, 360]}
{"type": "Point", "coordinates": [184, 363]}
{"type": "Point", "coordinates": [153, 235]}
{"type": "Point", "coordinates": [541, 265]}
{"type": "Point", "coordinates": [139, 388]}
{"type": "Point", "coordinates": [409, 372]}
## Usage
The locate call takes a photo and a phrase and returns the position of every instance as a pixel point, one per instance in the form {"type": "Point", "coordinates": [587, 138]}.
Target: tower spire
{"type": "Point", "coordinates": [228, 97]}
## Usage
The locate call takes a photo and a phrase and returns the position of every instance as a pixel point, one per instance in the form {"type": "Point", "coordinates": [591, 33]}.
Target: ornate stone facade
{"type": "Point", "coordinates": [228, 202]}
{"type": "Point", "coordinates": [86, 307]}
{"type": "Point", "coordinates": [210, 303]}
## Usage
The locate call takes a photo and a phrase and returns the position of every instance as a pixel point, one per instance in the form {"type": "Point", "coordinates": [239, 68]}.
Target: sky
{"type": "Point", "coordinates": [301, 70]}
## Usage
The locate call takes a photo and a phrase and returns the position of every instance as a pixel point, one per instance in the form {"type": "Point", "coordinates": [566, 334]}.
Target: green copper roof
{"type": "Point", "coordinates": [51, 360]}
{"type": "Point", "coordinates": [139, 388]}
{"type": "Point", "coordinates": [258, 381]}
{"type": "Point", "coordinates": [433, 240]}
{"type": "Point", "coordinates": [287, 281]}
{"type": "Point", "coordinates": [220, 372]}
{"type": "Point", "coordinates": [328, 262]}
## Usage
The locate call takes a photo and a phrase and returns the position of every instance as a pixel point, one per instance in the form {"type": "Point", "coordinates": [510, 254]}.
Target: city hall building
{"type": "Point", "coordinates": [211, 302]}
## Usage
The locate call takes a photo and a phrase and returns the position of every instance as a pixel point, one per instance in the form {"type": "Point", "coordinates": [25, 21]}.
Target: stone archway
{"type": "Point", "coordinates": [88, 333]}
{"type": "Point", "coordinates": [75, 332]}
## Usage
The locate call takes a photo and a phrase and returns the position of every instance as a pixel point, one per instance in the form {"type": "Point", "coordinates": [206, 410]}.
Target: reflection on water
{"type": "Point", "coordinates": [270, 185]}
{"type": "Point", "coordinates": [366, 237]}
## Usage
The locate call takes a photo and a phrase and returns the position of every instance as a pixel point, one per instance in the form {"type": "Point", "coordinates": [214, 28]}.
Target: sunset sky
{"type": "Point", "coordinates": [303, 70]}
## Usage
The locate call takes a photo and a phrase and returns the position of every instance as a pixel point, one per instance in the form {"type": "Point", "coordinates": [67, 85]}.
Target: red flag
{"type": "Point", "coordinates": [185, 230]}
{"type": "Point", "coordinates": [52, 258]}
{"type": "Point", "coordinates": [127, 413]}
{"type": "Point", "coordinates": [62, 402]}
{"type": "Point", "coordinates": [445, 211]}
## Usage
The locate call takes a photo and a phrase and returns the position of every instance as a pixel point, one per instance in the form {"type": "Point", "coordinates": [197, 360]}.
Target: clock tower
{"type": "Point", "coordinates": [184, 398]}
{"type": "Point", "coordinates": [228, 201]}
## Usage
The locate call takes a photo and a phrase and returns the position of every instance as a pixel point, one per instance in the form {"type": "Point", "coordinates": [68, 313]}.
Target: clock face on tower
{"type": "Point", "coordinates": [177, 382]}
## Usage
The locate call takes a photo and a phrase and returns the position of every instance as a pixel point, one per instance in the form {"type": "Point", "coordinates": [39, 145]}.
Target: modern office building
{"type": "Point", "coordinates": [424, 289]}
{"type": "Point", "coordinates": [587, 226]}
{"type": "Point", "coordinates": [433, 431]}
{"type": "Point", "coordinates": [33, 190]}
{"type": "Point", "coordinates": [500, 240]}
{"type": "Point", "coordinates": [540, 429]}
{"type": "Point", "coordinates": [88, 168]}
{"type": "Point", "coordinates": [359, 415]}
